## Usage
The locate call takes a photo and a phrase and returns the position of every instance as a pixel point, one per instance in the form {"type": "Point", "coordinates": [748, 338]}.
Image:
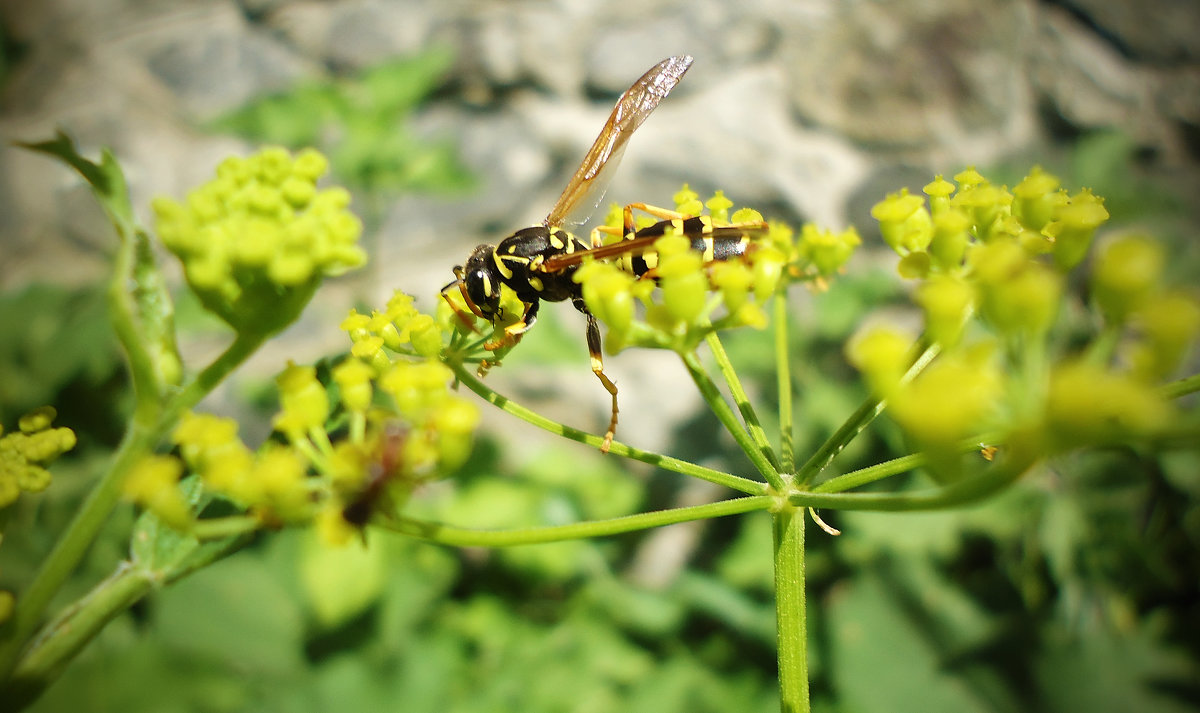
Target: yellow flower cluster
{"type": "Point", "coordinates": [256, 241]}
{"type": "Point", "coordinates": [696, 296]}
{"type": "Point", "coordinates": [992, 266]}
{"type": "Point", "coordinates": [25, 453]}
{"type": "Point", "coordinates": [399, 426]}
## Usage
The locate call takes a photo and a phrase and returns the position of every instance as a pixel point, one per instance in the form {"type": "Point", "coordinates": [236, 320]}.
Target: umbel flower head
{"type": "Point", "coordinates": [691, 296]}
{"type": "Point", "coordinates": [25, 453]}
{"type": "Point", "coordinates": [992, 267]}
{"type": "Point", "coordinates": [257, 240]}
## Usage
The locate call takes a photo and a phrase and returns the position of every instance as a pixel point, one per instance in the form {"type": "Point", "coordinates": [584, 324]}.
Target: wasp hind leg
{"type": "Point", "coordinates": [593, 341]}
{"type": "Point", "coordinates": [654, 211]}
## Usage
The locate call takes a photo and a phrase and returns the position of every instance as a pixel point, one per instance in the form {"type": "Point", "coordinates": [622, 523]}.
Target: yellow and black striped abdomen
{"type": "Point", "coordinates": [712, 242]}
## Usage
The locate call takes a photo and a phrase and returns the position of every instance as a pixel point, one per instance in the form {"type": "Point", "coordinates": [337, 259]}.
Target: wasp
{"type": "Point", "coordinates": [539, 263]}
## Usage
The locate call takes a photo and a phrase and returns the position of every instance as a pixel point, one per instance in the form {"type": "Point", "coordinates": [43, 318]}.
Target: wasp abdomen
{"type": "Point", "coordinates": [713, 243]}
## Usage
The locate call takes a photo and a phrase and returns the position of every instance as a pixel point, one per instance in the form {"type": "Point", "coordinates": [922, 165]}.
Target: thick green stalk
{"type": "Point", "coordinates": [790, 614]}
{"type": "Point", "coordinates": [96, 508]}
{"type": "Point", "coordinates": [783, 381]}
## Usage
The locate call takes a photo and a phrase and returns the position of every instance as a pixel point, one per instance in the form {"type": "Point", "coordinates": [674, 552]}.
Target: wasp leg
{"type": "Point", "coordinates": [601, 230]}
{"type": "Point", "coordinates": [659, 213]}
{"type": "Point", "coordinates": [514, 331]}
{"type": "Point", "coordinates": [593, 341]}
{"type": "Point", "coordinates": [462, 288]}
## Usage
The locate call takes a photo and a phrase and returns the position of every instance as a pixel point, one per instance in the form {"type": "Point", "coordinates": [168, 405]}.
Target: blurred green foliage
{"type": "Point", "coordinates": [1078, 585]}
{"type": "Point", "coordinates": [362, 124]}
{"type": "Point", "coordinates": [1076, 590]}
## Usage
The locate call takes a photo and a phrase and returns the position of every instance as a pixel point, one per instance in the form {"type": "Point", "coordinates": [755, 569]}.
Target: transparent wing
{"type": "Point", "coordinates": [587, 186]}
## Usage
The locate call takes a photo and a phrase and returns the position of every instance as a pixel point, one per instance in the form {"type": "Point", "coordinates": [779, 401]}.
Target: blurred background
{"type": "Point", "coordinates": [455, 123]}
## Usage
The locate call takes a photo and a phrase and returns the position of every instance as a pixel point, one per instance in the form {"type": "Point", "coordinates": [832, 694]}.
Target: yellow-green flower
{"type": "Point", "coordinates": [303, 401]}
{"type": "Point", "coordinates": [826, 250]}
{"type": "Point", "coordinates": [904, 222]}
{"type": "Point", "coordinates": [882, 354]}
{"type": "Point", "coordinates": [1090, 404]}
{"type": "Point", "coordinates": [1168, 325]}
{"type": "Point", "coordinates": [353, 377]}
{"type": "Point", "coordinates": [25, 454]}
{"type": "Point", "coordinates": [1126, 273]}
{"type": "Point", "coordinates": [1036, 199]}
{"type": "Point", "coordinates": [153, 483]}
{"type": "Point", "coordinates": [948, 303]}
{"type": "Point", "coordinates": [257, 240]}
{"type": "Point", "coordinates": [1075, 222]}
{"type": "Point", "coordinates": [956, 396]}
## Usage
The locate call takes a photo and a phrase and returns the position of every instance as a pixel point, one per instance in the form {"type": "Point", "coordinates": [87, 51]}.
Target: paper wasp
{"type": "Point", "coordinates": [538, 263]}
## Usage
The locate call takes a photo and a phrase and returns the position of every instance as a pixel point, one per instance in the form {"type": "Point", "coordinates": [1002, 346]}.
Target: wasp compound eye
{"type": "Point", "coordinates": [482, 292]}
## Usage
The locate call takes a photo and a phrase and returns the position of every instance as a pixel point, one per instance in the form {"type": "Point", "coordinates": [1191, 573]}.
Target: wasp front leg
{"type": "Point", "coordinates": [594, 350]}
{"type": "Point", "coordinates": [514, 331]}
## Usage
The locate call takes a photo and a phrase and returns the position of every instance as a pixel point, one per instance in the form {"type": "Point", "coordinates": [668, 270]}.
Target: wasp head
{"type": "Point", "coordinates": [482, 281]}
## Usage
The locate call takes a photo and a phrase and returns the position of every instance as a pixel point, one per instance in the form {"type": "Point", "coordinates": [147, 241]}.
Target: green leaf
{"type": "Point", "coordinates": [1100, 671]}
{"type": "Point", "coordinates": [245, 613]}
{"type": "Point", "coordinates": [398, 86]}
{"type": "Point", "coordinates": [168, 554]}
{"type": "Point", "coordinates": [341, 582]}
{"type": "Point", "coordinates": [883, 660]}
{"type": "Point", "coordinates": [142, 311]}
{"type": "Point", "coordinates": [105, 178]}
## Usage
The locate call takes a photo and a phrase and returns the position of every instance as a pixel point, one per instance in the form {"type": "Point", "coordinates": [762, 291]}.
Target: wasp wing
{"type": "Point", "coordinates": [586, 188]}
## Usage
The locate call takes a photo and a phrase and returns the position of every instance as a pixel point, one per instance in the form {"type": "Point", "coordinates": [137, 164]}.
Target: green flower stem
{"type": "Point", "coordinates": [728, 480]}
{"type": "Point", "coordinates": [122, 316]}
{"type": "Point", "coordinates": [896, 466]}
{"type": "Point", "coordinates": [1182, 387]}
{"type": "Point", "coordinates": [467, 537]}
{"type": "Point", "coordinates": [140, 438]}
{"type": "Point", "coordinates": [60, 640]}
{"type": "Point", "coordinates": [790, 615]}
{"type": "Point", "coordinates": [879, 471]}
{"type": "Point", "coordinates": [716, 402]}
{"type": "Point", "coordinates": [962, 492]}
{"type": "Point", "coordinates": [854, 425]}
{"type": "Point", "coordinates": [757, 434]}
{"type": "Point", "coordinates": [783, 379]}
{"type": "Point", "coordinates": [64, 637]}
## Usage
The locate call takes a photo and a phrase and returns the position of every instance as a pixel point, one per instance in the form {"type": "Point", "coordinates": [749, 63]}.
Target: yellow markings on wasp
{"type": "Point", "coordinates": [536, 283]}
{"type": "Point", "coordinates": [499, 259]}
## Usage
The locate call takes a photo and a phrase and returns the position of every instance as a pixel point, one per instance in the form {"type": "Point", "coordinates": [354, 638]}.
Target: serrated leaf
{"type": "Point", "coordinates": [167, 553]}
